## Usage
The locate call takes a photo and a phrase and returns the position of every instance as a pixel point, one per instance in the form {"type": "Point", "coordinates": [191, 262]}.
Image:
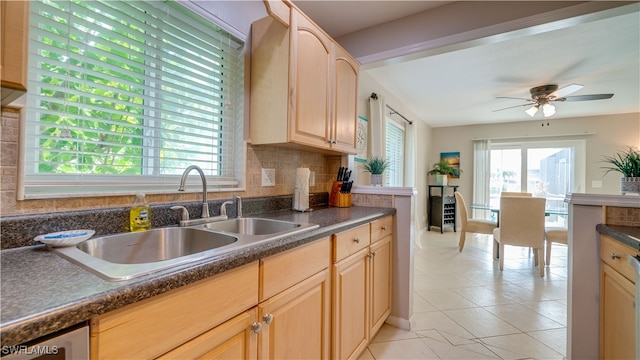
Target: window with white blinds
{"type": "Point", "coordinates": [394, 175]}
{"type": "Point", "coordinates": [124, 95]}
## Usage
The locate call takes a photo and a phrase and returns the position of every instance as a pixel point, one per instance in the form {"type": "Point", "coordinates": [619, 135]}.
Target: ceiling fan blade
{"type": "Point", "coordinates": [511, 107]}
{"type": "Point", "coordinates": [564, 91]}
{"type": "Point", "coordinates": [516, 98]}
{"type": "Point", "coordinates": [585, 97]}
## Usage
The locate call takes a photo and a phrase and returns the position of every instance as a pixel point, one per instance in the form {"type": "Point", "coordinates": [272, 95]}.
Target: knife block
{"type": "Point", "coordinates": [344, 200]}
{"type": "Point", "coordinates": [335, 191]}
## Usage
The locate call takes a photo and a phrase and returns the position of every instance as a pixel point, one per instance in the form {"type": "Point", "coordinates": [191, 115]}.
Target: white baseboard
{"type": "Point", "coordinates": [399, 322]}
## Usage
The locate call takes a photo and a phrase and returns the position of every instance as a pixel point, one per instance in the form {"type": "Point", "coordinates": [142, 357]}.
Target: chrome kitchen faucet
{"type": "Point", "coordinates": [205, 205]}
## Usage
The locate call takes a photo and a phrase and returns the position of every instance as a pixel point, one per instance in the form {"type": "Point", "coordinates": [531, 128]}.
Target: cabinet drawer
{"type": "Point", "coordinates": [615, 254]}
{"type": "Point", "coordinates": [281, 271]}
{"type": "Point", "coordinates": [381, 228]}
{"type": "Point", "coordinates": [350, 241]}
{"type": "Point", "coordinates": [163, 322]}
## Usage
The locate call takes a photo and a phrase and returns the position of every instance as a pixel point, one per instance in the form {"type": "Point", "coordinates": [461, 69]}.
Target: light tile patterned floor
{"type": "Point", "coordinates": [465, 308]}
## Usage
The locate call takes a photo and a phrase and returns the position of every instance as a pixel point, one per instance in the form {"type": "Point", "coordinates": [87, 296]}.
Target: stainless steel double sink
{"type": "Point", "coordinates": [128, 255]}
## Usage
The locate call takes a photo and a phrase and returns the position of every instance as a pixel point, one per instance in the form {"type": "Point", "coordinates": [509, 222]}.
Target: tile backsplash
{"type": "Point", "coordinates": [284, 160]}
{"type": "Point", "coordinates": [19, 230]}
{"type": "Point", "coordinates": [622, 216]}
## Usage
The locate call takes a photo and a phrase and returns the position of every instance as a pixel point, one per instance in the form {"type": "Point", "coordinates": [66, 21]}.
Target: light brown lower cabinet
{"type": "Point", "coordinates": [617, 299]}
{"type": "Point", "coordinates": [234, 339]}
{"type": "Point", "coordinates": [295, 303]}
{"type": "Point", "coordinates": [279, 307]}
{"type": "Point", "coordinates": [155, 326]}
{"type": "Point", "coordinates": [350, 333]}
{"type": "Point", "coordinates": [361, 286]}
{"type": "Point", "coordinates": [296, 322]}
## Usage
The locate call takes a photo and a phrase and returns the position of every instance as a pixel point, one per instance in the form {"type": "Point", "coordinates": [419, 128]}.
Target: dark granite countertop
{"type": "Point", "coordinates": [628, 235]}
{"type": "Point", "coordinates": [42, 293]}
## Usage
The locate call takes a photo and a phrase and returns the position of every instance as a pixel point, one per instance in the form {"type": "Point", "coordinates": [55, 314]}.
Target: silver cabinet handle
{"type": "Point", "coordinates": [256, 327]}
{"type": "Point", "coordinates": [267, 318]}
{"type": "Point", "coordinates": [614, 256]}
{"type": "Point", "coordinates": [357, 240]}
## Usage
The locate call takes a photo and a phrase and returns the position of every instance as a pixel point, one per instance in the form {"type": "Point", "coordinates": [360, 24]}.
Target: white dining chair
{"type": "Point", "coordinates": [521, 224]}
{"type": "Point", "coordinates": [477, 226]}
{"type": "Point", "coordinates": [552, 234]}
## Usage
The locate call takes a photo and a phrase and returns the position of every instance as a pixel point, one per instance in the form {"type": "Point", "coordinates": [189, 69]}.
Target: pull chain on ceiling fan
{"type": "Point", "coordinates": [543, 96]}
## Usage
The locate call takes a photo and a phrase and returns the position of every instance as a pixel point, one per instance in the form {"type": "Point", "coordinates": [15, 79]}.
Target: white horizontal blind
{"type": "Point", "coordinates": [394, 153]}
{"type": "Point", "coordinates": [130, 93]}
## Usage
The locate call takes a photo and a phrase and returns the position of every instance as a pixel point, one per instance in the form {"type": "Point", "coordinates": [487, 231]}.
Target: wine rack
{"type": "Point", "coordinates": [441, 207]}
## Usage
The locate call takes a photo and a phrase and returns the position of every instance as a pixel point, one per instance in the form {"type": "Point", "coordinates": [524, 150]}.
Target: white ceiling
{"type": "Point", "coordinates": [460, 86]}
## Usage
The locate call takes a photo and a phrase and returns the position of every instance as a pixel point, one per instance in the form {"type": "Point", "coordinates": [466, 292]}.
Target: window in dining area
{"type": "Point", "coordinates": [549, 169]}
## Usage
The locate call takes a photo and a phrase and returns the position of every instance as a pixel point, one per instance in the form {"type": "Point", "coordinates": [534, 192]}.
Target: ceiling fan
{"type": "Point", "coordinates": [543, 96]}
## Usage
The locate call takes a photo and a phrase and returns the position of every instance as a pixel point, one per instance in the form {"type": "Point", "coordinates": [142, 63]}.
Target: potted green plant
{"type": "Point", "coordinates": [376, 166]}
{"type": "Point", "coordinates": [442, 170]}
{"type": "Point", "coordinates": [628, 164]}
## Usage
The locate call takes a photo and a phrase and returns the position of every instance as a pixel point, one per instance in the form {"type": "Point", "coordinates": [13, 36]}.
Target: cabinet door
{"type": "Point", "coordinates": [380, 264]}
{"type": "Point", "coordinates": [350, 303]}
{"type": "Point", "coordinates": [617, 328]}
{"type": "Point", "coordinates": [234, 339]}
{"type": "Point", "coordinates": [14, 23]}
{"type": "Point", "coordinates": [310, 89]}
{"type": "Point", "coordinates": [343, 132]}
{"type": "Point", "coordinates": [296, 322]}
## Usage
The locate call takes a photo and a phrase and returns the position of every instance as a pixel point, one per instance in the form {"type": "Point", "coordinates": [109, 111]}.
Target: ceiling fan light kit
{"type": "Point", "coordinates": [542, 96]}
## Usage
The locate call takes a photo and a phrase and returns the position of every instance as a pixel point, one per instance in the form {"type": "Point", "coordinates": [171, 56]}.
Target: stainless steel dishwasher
{"type": "Point", "coordinates": [65, 345]}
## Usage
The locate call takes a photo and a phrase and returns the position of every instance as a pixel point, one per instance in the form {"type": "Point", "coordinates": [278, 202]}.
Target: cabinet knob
{"type": "Point", "coordinates": [267, 318]}
{"type": "Point", "coordinates": [373, 253]}
{"type": "Point", "coordinates": [357, 240]}
{"type": "Point", "coordinates": [384, 228]}
{"type": "Point", "coordinates": [614, 256]}
{"type": "Point", "coordinates": [256, 327]}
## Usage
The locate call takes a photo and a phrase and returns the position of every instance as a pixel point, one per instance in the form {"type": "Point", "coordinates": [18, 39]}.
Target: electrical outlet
{"type": "Point", "coordinates": [268, 177]}
{"type": "Point", "coordinates": [312, 178]}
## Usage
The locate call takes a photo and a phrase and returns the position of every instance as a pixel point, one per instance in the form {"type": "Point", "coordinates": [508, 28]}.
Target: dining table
{"type": "Point", "coordinates": [495, 209]}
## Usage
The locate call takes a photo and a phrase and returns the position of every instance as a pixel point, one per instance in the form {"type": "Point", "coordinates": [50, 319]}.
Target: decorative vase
{"type": "Point", "coordinates": [630, 185]}
{"type": "Point", "coordinates": [376, 179]}
{"type": "Point", "coordinates": [442, 179]}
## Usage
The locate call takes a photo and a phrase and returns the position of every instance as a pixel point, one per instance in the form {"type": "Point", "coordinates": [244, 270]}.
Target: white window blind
{"type": "Point", "coordinates": [124, 95]}
{"type": "Point", "coordinates": [394, 153]}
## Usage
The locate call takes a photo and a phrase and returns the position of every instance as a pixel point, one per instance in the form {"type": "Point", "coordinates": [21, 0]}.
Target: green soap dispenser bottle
{"type": "Point", "coordinates": [140, 214]}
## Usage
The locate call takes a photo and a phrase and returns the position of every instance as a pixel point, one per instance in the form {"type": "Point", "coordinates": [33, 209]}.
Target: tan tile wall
{"type": "Point", "coordinates": [622, 216]}
{"type": "Point", "coordinates": [284, 160]}
{"type": "Point", "coordinates": [372, 200]}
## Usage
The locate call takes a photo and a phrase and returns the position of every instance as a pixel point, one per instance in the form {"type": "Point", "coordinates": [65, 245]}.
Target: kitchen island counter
{"type": "Point", "coordinates": [42, 293]}
{"type": "Point", "coordinates": [628, 235]}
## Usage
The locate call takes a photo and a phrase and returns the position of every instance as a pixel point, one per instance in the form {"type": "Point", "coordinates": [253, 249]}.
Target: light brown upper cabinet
{"type": "Point", "coordinates": [14, 26]}
{"type": "Point", "coordinates": [303, 86]}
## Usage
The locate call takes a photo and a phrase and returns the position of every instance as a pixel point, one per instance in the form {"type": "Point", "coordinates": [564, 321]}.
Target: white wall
{"type": "Point", "coordinates": [368, 85]}
{"type": "Point", "coordinates": [604, 136]}
{"type": "Point", "coordinates": [609, 134]}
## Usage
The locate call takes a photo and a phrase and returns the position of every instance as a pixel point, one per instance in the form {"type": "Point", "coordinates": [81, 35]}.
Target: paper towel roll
{"type": "Point", "coordinates": [301, 192]}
